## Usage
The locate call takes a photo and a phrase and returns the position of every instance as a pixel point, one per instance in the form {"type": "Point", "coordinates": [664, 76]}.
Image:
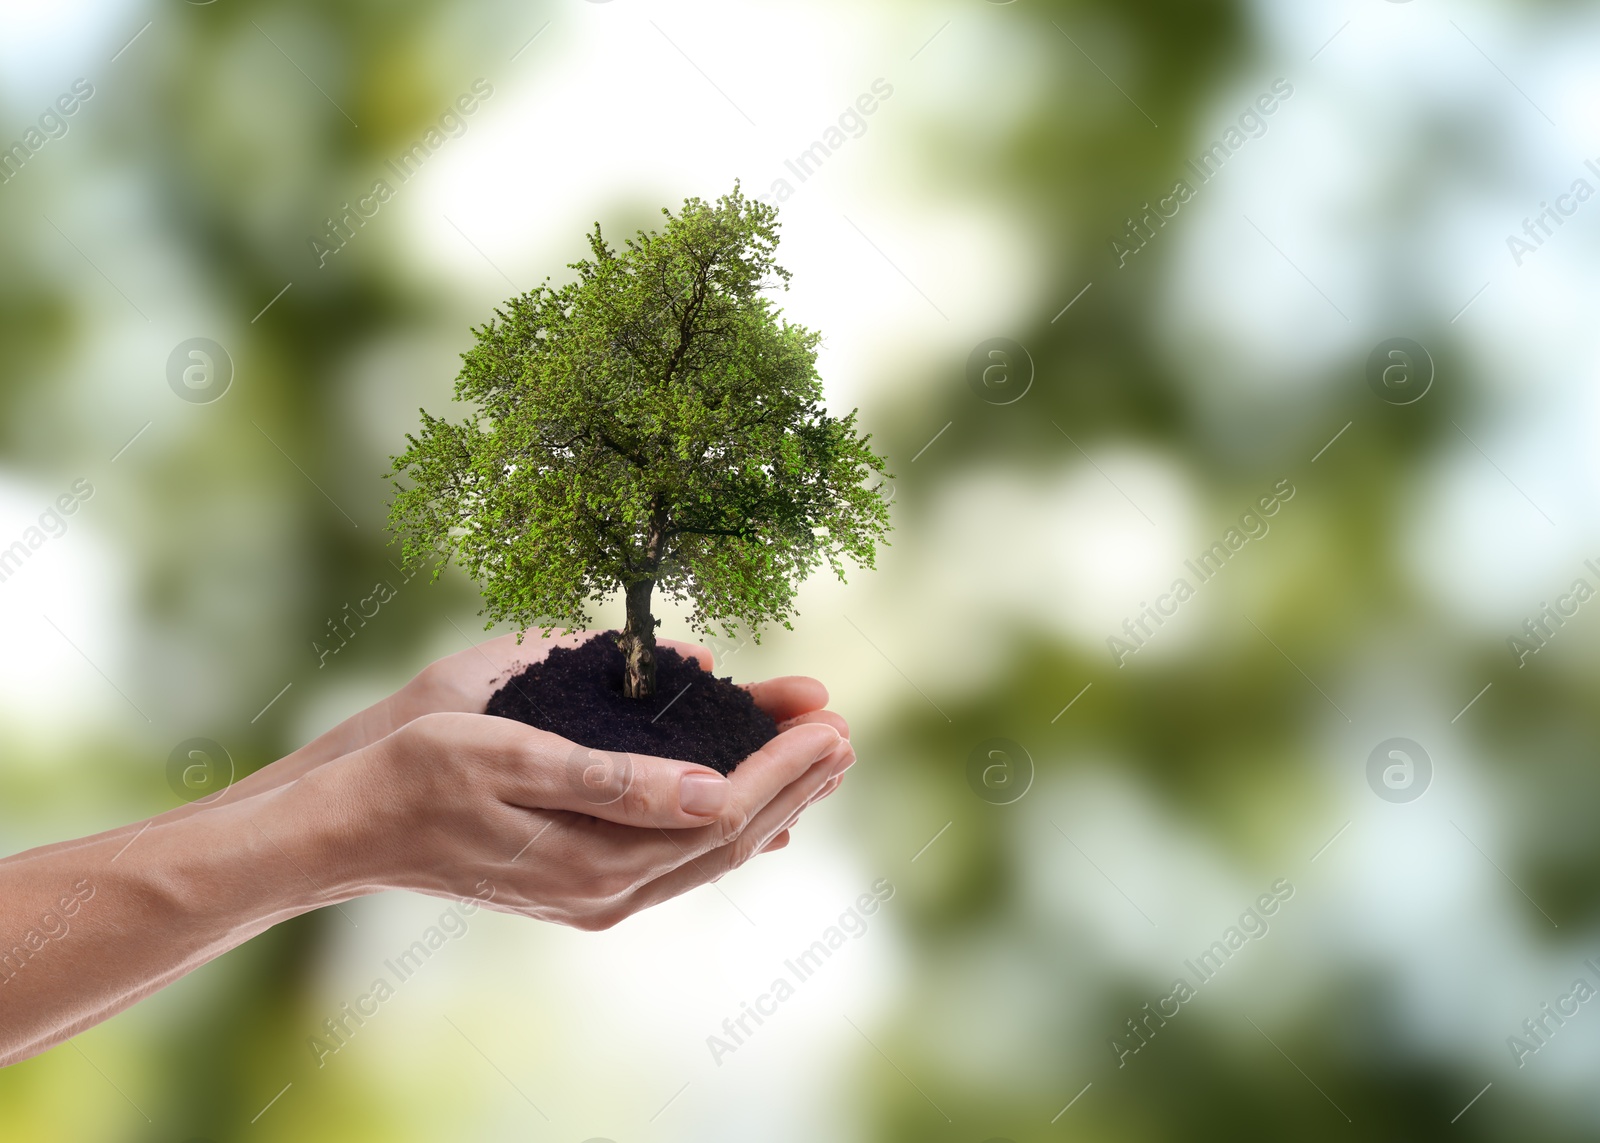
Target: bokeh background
{"type": "Point", "coordinates": [1042, 894]}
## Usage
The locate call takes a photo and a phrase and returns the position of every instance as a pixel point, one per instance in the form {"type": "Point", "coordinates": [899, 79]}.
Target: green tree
{"type": "Point", "coordinates": [654, 424]}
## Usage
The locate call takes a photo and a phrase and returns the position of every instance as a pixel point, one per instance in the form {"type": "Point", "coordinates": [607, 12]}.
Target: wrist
{"type": "Point", "coordinates": [331, 823]}
{"type": "Point", "coordinates": [288, 852]}
{"type": "Point", "coordinates": [221, 875]}
{"type": "Point", "coordinates": [417, 698]}
{"type": "Point", "coordinates": [346, 818]}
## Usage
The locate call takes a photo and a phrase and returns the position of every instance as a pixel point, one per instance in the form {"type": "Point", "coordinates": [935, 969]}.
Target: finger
{"type": "Point", "coordinates": [638, 858]}
{"type": "Point", "coordinates": [644, 791]}
{"type": "Point", "coordinates": [771, 774]}
{"type": "Point", "coordinates": [826, 717]}
{"type": "Point", "coordinates": [786, 809]}
{"type": "Point", "coordinates": [693, 874]}
{"type": "Point", "coordinates": [788, 823]}
{"type": "Point", "coordinates": [768, 774]}
{"type": "Point", "coordinates": [788, 697]}
{"type": "Point", "coordinates": [551, 772]}
{"type": "Point", "coordinates": [676, 860]}
{"type": "Point", "coordinates": [775, 818]}
{"type": "Point", "coordinates": [651, 856]}
{"type": "Point", "coordinates": [824, 791]}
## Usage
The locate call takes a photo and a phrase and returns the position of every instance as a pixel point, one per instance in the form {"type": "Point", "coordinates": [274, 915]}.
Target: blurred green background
{"type": "Point", "coordinates": [1046, 888]}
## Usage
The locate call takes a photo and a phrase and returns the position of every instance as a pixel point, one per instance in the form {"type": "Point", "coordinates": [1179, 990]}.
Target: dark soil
{"type": "Point", "coordinates": [695, 716]}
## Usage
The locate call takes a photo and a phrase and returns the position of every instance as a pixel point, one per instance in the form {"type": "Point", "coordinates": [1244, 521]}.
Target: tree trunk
{"type": "Point", "coordinates": [638, 642]}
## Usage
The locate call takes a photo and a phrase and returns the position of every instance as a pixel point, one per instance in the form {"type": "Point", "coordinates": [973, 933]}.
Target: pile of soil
{"type": "Point", "coordinates": [577, 693]}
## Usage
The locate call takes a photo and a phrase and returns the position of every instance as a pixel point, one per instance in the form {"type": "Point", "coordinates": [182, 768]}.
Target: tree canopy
{"type": "Point", "coordinates": [655, 423]}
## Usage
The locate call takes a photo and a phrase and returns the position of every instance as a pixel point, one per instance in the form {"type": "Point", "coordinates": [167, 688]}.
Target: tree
{"type": "Point", "coordinates": [655, 424]}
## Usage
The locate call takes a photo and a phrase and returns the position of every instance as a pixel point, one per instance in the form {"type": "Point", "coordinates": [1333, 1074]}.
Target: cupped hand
{"type": "Point", "coordinates": [464, 682]}
{"type": "Point", "coordinates": [471, 806]}
{"type": "Point", "coordinates": [421, 792]}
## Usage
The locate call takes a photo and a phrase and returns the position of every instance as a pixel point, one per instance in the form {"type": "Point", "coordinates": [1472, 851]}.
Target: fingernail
{"type": "Point", "coordinates": [705, 795]}
{"type": "Point", "coordinates": [846, 759]}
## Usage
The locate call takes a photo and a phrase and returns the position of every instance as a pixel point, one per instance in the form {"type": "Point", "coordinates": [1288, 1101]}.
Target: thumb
{"type": "Point", "coordinates": [629, 789]}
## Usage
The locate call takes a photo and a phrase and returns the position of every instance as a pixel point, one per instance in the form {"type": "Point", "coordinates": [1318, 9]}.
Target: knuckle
{"type": "Point", "coordinates": [746, 846]}
{"type": "Point", "coordinates": [421, 730]}
{"type": "Point", "coordinates": [530, 754]}
{"type": "Point", "coordinates": [642, 800]}
{"type": "Point", "coordinates": [599, 777]}
{"type": "Point", "coordinates": [731, 825]}
{"type": "Point", "coordinates": [600, 921]}
{"type": "Point", "coordinates": [424, 740]}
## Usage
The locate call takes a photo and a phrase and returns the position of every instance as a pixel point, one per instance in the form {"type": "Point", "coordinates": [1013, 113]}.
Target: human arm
{"type": "Point", "coordinates": [462, 683]}
{"type": "Point", "coordinates": [447, 804]}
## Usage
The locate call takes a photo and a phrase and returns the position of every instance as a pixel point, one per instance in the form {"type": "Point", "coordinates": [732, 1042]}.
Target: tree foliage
{"type": "Point", "coordinates": [654, 423]}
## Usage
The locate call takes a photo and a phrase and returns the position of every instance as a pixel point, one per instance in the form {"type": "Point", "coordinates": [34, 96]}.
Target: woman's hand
{"type": "Point", "coordinates": [465, 805]}
{"type": "Point", "coordinates": [452, 803]}
{"type": "Point", "coordinates": [463, 683]}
